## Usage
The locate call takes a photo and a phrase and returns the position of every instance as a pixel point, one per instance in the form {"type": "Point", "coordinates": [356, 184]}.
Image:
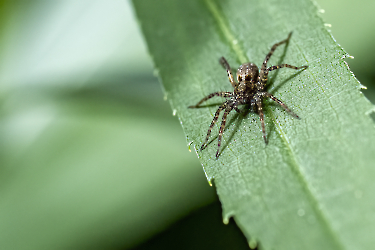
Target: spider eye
{"type": "Point", "coordinates": [239, 78]}
{"type": "Point", "coordinates": [247, 77]}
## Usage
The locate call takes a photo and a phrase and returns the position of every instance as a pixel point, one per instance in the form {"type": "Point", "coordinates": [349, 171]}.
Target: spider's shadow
{"type": "Point", "coordinates": [271, 82]}
{"type": "Point", "coordinates": [274, 76]}
{"type": "Point", "coordinates": [239, 117]}
{"type": "Point", "coordinates": [285, 81]}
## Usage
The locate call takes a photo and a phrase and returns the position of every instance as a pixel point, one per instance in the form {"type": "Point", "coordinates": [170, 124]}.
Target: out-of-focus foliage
{"type": "Point", "coordinates": [90, 152]}
{"type": "Point", "coordinates": [352, 25]}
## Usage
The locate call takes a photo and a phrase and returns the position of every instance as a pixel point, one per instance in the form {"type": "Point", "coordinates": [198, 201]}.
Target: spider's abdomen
{"type": "Point", "coordinates": [247, 72]}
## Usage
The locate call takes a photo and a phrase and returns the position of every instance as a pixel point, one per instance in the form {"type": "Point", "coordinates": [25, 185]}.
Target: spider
{"type": "Point", "coordinates": [250, 89]}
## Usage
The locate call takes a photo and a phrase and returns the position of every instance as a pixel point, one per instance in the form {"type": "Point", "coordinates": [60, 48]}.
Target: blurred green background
{"type": "Point", "coordinates": [91, 154]}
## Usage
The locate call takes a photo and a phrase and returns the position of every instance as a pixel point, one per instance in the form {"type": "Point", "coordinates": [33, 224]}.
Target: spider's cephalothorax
{"type": "Point", "coordinates": [248, 90]}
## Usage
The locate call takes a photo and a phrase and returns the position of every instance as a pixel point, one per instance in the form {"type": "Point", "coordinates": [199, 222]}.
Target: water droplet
{"type": "Point", "coordinates": [174, 112]}
{"type": "Point", "coordinates": [321, 11]}
{"type": "Point", "coordinates": [189, 145]}
{"type": "Point", "coordinates": [235, 41]}
{"type": "Point", "coordinates": [328, 25]}
{"type": "Point", "coordinates": [165, 96]}
{"type": "Point", "coordinates": [301, 212]}
{"type": "Point", "coordinates": [225, 221]}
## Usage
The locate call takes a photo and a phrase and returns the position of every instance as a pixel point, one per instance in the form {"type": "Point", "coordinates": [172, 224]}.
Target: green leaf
{"type": "Point", "coordinates": [312, 186]}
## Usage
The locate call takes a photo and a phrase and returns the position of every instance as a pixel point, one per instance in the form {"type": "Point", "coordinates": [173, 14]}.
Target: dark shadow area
{"type": "Point", "coordinates": [274, 76]}
{"type": "Point", "coordinates": [239, 117]}
{"type": "Point", "coordinates": [285, 81]}
{"type": "Point", "coordinates": [203, 229]}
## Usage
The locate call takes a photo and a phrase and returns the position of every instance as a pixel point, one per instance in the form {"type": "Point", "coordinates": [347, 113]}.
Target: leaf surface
{"type": "Point", "coordinates": [312, 185]}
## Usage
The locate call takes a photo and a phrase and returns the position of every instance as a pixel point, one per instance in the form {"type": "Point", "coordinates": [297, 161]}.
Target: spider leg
{"type": "Point", "coordinates": [281, 104]}
{"type": "Point", "coordinates": [265, 74]}
{"type": "Point", "coordinates": [221, 94]}
{"type": "Point", "coordinates": [264, 65]}
{"type": "Point", "coordinates": [258, 101]}
{"type": "Point", "coordinates": [213, 123]}
{"type": "Point", "coordinates": [225, 64]}
{"type": "Point", "coordinates": [222, 126]}
{"type": "Point", "coordinates": [253, 105]}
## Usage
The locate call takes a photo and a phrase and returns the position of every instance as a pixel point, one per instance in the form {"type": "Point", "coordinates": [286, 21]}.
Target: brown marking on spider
{"type": "Point", "coordinates": [250, 89]}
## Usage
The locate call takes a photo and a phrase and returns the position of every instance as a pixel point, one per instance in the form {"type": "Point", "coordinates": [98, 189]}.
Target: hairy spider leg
{"type": "Point", "coordinates": [265, 74]}
{"type": "Point", "coordinates": [220, 94]}
{"type": "Point", "coordinates": [225, 64]}
{"type": "Point", "coordinates": [230, 75]}
{"type": "Point", "coordinates": [281, 103]}
{"type": "Point", "coordinates": [258, 101]}
{"type": "Point", "coordinates": [264, 65]}
{"type": "Point", "coordinates": [222, 126]}
{"type": "Point", "coordinates": [224, 105]}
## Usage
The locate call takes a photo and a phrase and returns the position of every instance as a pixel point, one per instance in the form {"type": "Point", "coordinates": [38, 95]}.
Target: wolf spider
{"type": "Point", "coordinates": [248, 90]}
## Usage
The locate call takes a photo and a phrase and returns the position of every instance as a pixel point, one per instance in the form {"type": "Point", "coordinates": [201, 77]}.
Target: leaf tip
{"type": "Point", "coordinates": [253, 243]}
{"type": "Point", "coordinates": [227, 216]}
